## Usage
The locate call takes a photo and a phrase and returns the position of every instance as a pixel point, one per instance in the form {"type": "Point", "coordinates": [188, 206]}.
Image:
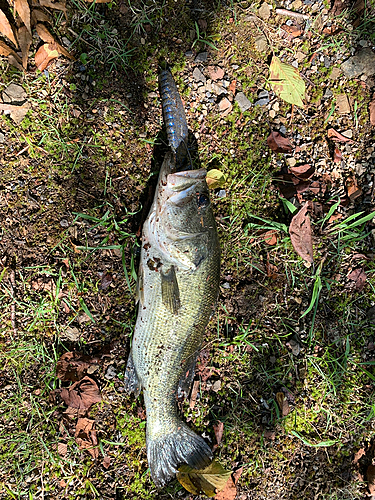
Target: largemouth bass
{"type": "Point", "coordinates": [177, 290]}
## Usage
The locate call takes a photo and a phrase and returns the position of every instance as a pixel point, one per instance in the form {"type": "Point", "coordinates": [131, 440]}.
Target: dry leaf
{"type": "Point", "coordinates": [72, 366]}
{"type": "Point", "coordinates": [370, 473]}
{"type": "Point", "coordinates": [38, 15]}
{"type": "Point", "coordinates": [85, 436]}
{"type": "Point", "coordinates": [105, 281]}
{"type": "Point", "coordinates": [219, 431]}
{"type": "Point", "coordinates": [45, 54]}
{"type": "Point", "coordinates": [47, 37]}
{"type": "Point", "coordinates": [232, 86]}
{"type": "Point", "coordinates": [283, 403]}
{"type": "Point", "coordinates": [5, 50]}
{"type": "Point", "coordinates": [229, 491]}
{"type": "Point", "coordinates": [62, 449]}
{"type": "Point", "coordinates": [357, 456]}
{"type": "Point", "coordinates": [371, 109]}
{"type": "Point", "coordinates": [300, 234]}
{"type": "Point", "coordinates": [303, 171]}
{"type": "Point", "coordinates": [278, 143]}
{"type": "Point", "coordinates": [336, 136]}
{"type": "Point", "coordinates": [106, 462]}
{"type": "Point", "coordinates": [210, 480]}
{"type": "Point", "coordinates": [17, 113]}
{"type": "Point", "coordinates": [83, 394]}
{"type": "Point", "coordinates": [359, 277]}
{"type": "Point", "coordinates": [25, 40]}
{"type": "Point", "coordinates": [286, 82]}
{"type": "Point", "coordinates": [23, 9]}
{"type": "Point", "coordinates": [337, 155]}
{"type": "Point", "coordinates": [7, 29]}
{"type": "Point", "coordinates": [53, 5]}
{"type": "Point", "coordinates": [353, 189]}
{"type": "Point", "coordinates": [270, 237]}
{"type": "Point", "coordinates": [99, 1]}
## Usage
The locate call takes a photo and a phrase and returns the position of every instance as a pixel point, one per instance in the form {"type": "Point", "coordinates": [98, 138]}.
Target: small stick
{"type": "Point", "coordinates": [290, 13]}
{"type": "Point", "coordinates": [13, 304]}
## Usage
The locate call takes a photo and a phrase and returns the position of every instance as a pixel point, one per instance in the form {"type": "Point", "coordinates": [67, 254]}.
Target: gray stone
{"type": "Point", "coordinates": [14, 94]}
{"type": "Point", "coordinates": [327, 62]}
{"type": "Point", "coordinates": [242, 101]}
{"type": "Point", "coordinates": [201, 57]}
{"type": "Point", "coordinates": [263, 93]}
{"type": "Point", "coordinates": [198, 75]}
{"type": "Point", "coordinates": [2, 138]}
{"type": "Point", "coordinates": [328, 93]}
{"type": "Point", "coordinates": [189, 53]}
{"type": "Point", "coordinates": [262, 102]}
{"type": "Point", "coordinates": [110, 373]}
{"type": "Point", "coordinates": [362, 63]}
{"type": "Point", "coordinates": [261, 43]}
{"type": "Point", "coordinates": [222, 193]}
{"type": "Point", "coordinates": [360, 169]}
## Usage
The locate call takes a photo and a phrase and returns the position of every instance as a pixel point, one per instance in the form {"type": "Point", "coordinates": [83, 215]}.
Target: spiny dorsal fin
{"type": "Point", "coordinates": [169, 290]}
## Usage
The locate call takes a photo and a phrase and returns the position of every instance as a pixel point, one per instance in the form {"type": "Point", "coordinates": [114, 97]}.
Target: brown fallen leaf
{"type": "Point", "coordinates": [210, 480]}
{"type": "Point", "coordinates": [292, 30]}
{"type": "Point", "coordinates": [38, 15]}
{"type": "Point", "coordinates": [105, 281]}
{"type": "Point", "coordinates": [229, 491]}
{"type": "Point", "coordinates": [7, 27]}
{"type": "Point", "coordinates": [85, 436]}
{"type": "Point", "coordinates": [53, 5]}
{"type": "Point", "coordinates": [283, 403]}
{"type": "Point", "coordinates": [45, 54]}
{"type": "Point", "coordinates": [232, 86]}
{"type": "Point", "coordinates": [106, 462]}
{"type": "Point", "coordinates": [62, 449]}
{"type": "Point", "coordinates": [357, 456]}
{"type": "Point", "coordinates": [354, 191]}
{"type": "Point", "coordinates": [300, 234]}
{"type": "Point", "coordinates": [47, 37]}
{"type": "Point", "coordinates": [337, 137]}
{"type": "Point", "coordinates": [337, 156]}
{"type": "Point", "coordinates": [194, 394]}
{"type": "Point", "coordinates": [219, 431]}
{"type": "Point", "coordinates": [23, 9]}
{"type": "Point", "coordinates": [72, 366]}
{"type": "Point", "coordinates": [17, 113]}
{"type": "Point", "coordinates": [82, 394]}
{"type": "Point", "coordinates": [270, 237]}
{"type": "Point", "coordinates": [24, 39]}
{"type": "Point", "coordinates": [5, 50]}
{"type": "Point", "coordinates": [371, 110]}
{"type": "Point", "coordinates": [303, 171]}
{"type": "Point", "coordinates": [358, 276]}
{"type": "Point", "coordinates": [370, 473]}
{"type": "Point", "coordinates": [278, 143]}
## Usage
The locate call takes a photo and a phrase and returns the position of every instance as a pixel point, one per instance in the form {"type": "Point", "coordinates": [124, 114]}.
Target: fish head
{"type": "Point", "coordinates": [184, 220]}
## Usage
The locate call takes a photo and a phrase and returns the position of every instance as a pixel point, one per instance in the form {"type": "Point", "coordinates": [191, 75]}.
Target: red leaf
{"type": "Point", "coordinates": [278, 143]}
{"type": "Point", "coordinates": [303, 171]}
{"type": "Point", "coordinates": [337, 137]}
{"type": "Point", "coordinates": [300, 234]}
{"type": "Point", "coordinates": [337, 156]}
{"type": "Point", "coordinates": [83, 394]}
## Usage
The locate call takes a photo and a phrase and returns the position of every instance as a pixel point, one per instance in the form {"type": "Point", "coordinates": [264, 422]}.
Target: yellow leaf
{"type": "Point", "coordinates": [286, 82]}
{"type": "Point", "coordinates": [215, 178]}
{"type": "Point", "coordinates": [209, 480]}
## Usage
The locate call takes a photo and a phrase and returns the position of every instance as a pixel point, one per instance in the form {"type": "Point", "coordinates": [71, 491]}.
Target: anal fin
{"type": "Point", "coordinates": [169, 290]}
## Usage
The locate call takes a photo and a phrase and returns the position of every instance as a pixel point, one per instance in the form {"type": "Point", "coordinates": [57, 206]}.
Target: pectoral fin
{"type": "Point", "coordinates": [169, 290]}
{"type": "Point", "coordinates": [131, 380]}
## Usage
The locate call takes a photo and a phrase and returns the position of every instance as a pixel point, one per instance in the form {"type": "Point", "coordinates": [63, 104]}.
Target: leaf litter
{"type": "Point", "coordinates": [209, 480]}
{"type": "Point", "coordinates": [300, 234]}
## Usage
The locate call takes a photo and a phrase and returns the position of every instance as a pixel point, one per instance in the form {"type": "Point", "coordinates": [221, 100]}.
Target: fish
{"type": "Point", "coordinates": [177, 290]}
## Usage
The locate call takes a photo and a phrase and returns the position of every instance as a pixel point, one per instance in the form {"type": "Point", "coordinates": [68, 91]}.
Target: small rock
{"type": "Point", "coordinates": [300, 56]}
{"type": "Point", "coordinates": [225, 106]}
{"type": "Point", "coordinates": [14, 94]}
{"type": "Point", "coordinates": [189, 54]}
{"type": "Point", "coordinates": [242, 101]}
{"type": "Point", "coordinates": [262, 102]}
{"type": "Point", "coordinates": [215, 72]}
{"type": "Point", "coordinates": [71, 333]}
{"type": "Point", "coordinates": [2, 138]}
{"type": "Point", "coordinates": [335, 73]}
{"type": "Point", "coordinates": [201, 57]}
{"type": "Point", "coordinates": [222, 193]}
{"type": "Point", "coordinates": [328, 93]}
{"type": "Point", "coordinates": [218, 89]}
{"type": "Point", "coordinates": [261, 43]}
{"type": "Point", "coordinates": [295, 64]}
{"type": "Point", "coordinates": [263, 93]}
{"type": "Point", "coordinates": [348, 133]}
{"type": "Point", "coordinates": [272, 113]}
{"type": "Point", "coordinates": [327, 62]}
{"type": "Point", "coordinates": [296, 5]}
{"type": "Point", "coordinates": [342, 103]}
{"type": "Point", "coordinates": [362, 63]}
{"type": "Point", "coordinates": [110, 373]}
{"type": "Point", "coordinates": [360, 169]}
{"type": "Point", "coordinates": [264, 11]}
{"type": "Point", "coordinates": [217, 386]}
{"type": "Point", "coordinates": [198, 75]}
{"type": "Point", "coordinates": [291, 162]}
{"type": "Point", "coordinates": [294, 346]}
{"type": "Point", "coordinates": [276, 107]}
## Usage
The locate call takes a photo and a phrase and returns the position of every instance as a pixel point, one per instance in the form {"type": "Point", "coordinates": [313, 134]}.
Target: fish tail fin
{"type": "Point", "coordinates": [166, 453]}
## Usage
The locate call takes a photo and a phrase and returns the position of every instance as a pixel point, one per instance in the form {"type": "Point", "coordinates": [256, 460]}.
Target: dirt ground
{"type": "Point", "coordinates": [284, 386]}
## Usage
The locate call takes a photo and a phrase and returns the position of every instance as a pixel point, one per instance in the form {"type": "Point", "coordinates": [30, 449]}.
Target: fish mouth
{"type": "Point", "coordinates": [180, 181]}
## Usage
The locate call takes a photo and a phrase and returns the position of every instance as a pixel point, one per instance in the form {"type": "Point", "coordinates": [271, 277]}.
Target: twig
{"type": "Point", "coordinates": [290, 13]}
{"type": "Point", "coordinates": [13, 304]}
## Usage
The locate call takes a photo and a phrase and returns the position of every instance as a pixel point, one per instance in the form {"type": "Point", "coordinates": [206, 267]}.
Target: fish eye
{"type": "Point", "coordinates": [203, 200]}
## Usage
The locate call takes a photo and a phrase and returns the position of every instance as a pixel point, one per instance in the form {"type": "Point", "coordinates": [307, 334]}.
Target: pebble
{"type": "Point", "coordinates": [276, 107]}
{"type": "Point", "coordinates": [14, 94]}
{"type": "Point", "coordinates": [222, 193]}
{"type": "Point", "coordinates": [215, 72]}
{"type": "Point", "coordinates": [261, 43]}
{"type": "Point", "coordinates": [2, 138]}
{"type": "Point", "coordinates": [264, 11]}
{"type": "Point", "coordinates": [201, 57]}
{"type": "Point", "coordinates": [291, 161]}
{"type": "Point", "coordinates": [198, 75]}
{"type": "Point", "coordinates": [348, 133]}
{"type": "Point", "coordinates": [272, 113]}
{"type": "Point", "coordinates": [225, 106]}
{"type": "Point", "coordinates": [328, 93]}
{"type": "Point", "coordinates": [335, 73]}
{"type": "Point", "coordinates": [342, 103]}
{"type": "Point", "coordinates": [263, 93]}
{"type": "Point", "coordinates": [361, 63]}
{"type": "Point", "coordinates": [110, 373]}
{"type": "Point", "coordinates": [360, 169]}
{"type": "Point", "coordinates": [242, 101]}
{"type": "Point", "coordinates": [262, 102]}
{"type": "Point", "coordinates": [189, 54]}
